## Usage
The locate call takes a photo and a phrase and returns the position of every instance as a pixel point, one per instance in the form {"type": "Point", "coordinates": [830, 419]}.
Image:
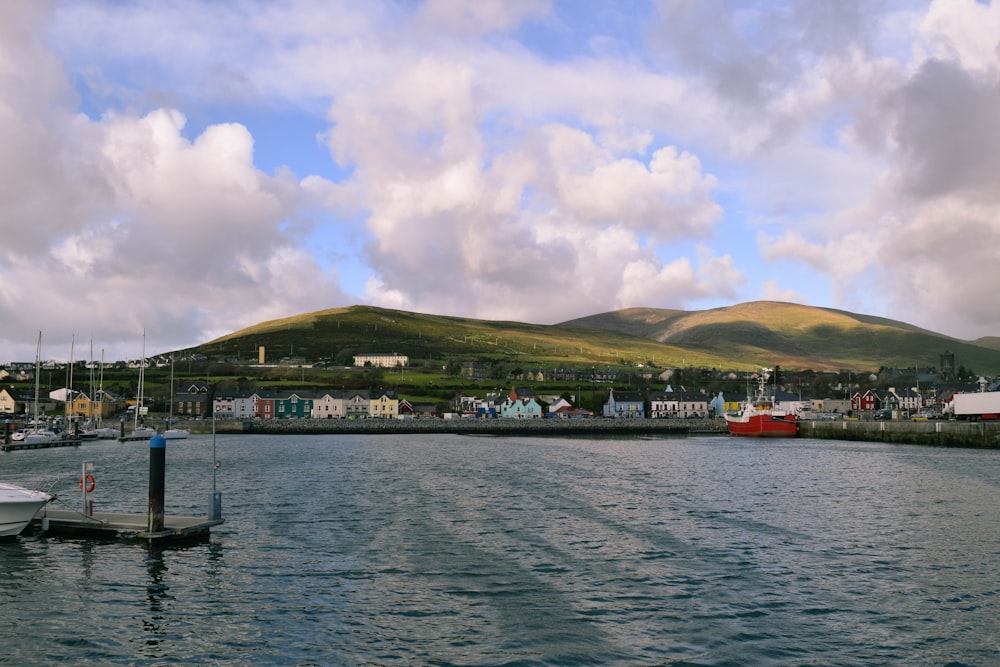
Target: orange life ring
{"type": "Point", "coordinates": [90, 483]}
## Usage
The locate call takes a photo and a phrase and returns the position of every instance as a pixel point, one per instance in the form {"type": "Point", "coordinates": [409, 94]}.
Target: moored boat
{"type": "Point", "coordinates": [171, 432]}
{"type": "Point", "coordinates": [18, 506]}
{"type": "Point", "coordinates": [142, 432]}
{"type": "Point", "coordinates": [759, 418]}
{"type": "Point", "coordinates": [38, 437]}
{"type": "Point", "coordinates": [139, 430]}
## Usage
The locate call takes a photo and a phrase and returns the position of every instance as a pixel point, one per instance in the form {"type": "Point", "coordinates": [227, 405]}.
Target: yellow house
{"type": "Point", "coordinates": [12, 401]}
{"type": "Point", "coordinates": [384, 406]}
{"type": "Point", "coordinates": [102, 406]}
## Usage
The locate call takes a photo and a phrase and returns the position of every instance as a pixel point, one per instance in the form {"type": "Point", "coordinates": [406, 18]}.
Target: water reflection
{"type": "Point", "coordinates": [397, 551]}
{"type": "Point", "coordinates": [157, 593]}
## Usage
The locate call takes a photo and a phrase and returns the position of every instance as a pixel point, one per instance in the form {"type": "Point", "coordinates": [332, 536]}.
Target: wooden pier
{"type": "Point", "coordinates": [116, 525]}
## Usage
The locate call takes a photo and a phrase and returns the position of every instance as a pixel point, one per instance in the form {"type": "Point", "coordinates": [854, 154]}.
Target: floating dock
{"type": "Point", "coordinates": [154, 526]}
{"type": "Point", "coordinates": [115, 525]}
{"type": "Point", "coordinates": [18, 445]}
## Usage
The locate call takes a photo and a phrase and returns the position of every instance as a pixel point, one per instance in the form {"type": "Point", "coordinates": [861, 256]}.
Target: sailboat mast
{"type": "Point", "coordinates": [170, 398]}
{"type": "Point", "coordinates": [69, 381]}
{"type": "Point", "coordinates": [100, 392]}
{"type": "Point", "coordinates": [142, 372]}
{"type": "Point", "coordinates": [38, 370]}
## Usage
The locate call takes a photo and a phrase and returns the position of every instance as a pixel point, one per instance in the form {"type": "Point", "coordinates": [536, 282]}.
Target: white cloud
{"type": "Point", "coordinates": [772, 291]}
{"type": "Point", "coordinates": [592, 159]}
{"type": "Point", "coordinates": [122, 223]}
{"type": "Point", "coordinates": [965, 32]}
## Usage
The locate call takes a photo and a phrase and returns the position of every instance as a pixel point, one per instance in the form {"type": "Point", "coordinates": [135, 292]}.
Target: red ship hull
{"type": "Point", "coordinates": [764, 426]}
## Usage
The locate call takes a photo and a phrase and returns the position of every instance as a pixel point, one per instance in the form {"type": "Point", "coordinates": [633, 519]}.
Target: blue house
{"type": "Point", "coordinates": [293, 406]}
{"type": "Point", "coordinates": [625, 405]}
{"type": "Point", "coordinates": [520, 408]}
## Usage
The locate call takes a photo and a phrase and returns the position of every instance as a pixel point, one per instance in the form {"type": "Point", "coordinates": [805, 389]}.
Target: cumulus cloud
{"type": "Point", "coordinates": [773, 292]}
{"type": "Point", "coordinates": [122, 223]}
{"type": "Point", "coordinates": [462, 222]}
{"type": "Point", "coordinates": [482, 152]}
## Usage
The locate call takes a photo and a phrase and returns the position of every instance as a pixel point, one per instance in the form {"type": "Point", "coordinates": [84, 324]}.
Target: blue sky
{"type": "Point", "coordinates": [191, 168]}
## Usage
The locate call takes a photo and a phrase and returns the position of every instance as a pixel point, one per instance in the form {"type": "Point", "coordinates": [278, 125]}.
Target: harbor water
{"type": "Point", "coordinates": [463, 550]}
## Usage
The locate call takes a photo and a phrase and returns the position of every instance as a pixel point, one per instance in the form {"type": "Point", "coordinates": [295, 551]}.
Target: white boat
{"type": "Point", "coordinates": [173, 433]}
{"type": "Point", "coordinates": [98, 429]}
{"type": "Point", "coordinates": [18, 507]}
{"type": "Point", "coordinates": [93, 431]}
{"type": "Point", "coordinates": [40, 437]}
{"type": "Point", "coordinates": [140, 431]}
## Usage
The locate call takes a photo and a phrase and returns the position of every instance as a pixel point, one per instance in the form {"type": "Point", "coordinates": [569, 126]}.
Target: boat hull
{"type": "Point", "coordinates": [763, 426]}
{"type": "Point", "coordinates": [18, 507]}
{"type": "Point", "coordinates": [40, 437]}
{"type": "Point", "coordinates": [140, 433]}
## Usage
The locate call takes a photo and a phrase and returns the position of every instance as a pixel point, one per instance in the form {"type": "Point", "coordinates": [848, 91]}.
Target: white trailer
{"type": "Point", "coordinates": [977, 405]}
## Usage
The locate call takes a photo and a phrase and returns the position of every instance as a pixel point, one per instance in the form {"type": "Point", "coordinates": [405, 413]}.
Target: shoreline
{"type": "Point", "coordinates": [467, 426]}
{"type": "Point", "coordinates": [977, 435]}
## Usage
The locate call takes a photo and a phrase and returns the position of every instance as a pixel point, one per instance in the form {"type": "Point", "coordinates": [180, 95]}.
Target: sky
{"type": "Point", "coordinates": [187, 169]}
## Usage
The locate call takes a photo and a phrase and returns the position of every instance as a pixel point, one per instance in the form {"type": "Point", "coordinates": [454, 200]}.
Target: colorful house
{"type": "Point", "coordinates": [625, 405]}
{"type": "Point", "coordinates": [13, 401]}
{"type": "Point", "coordinates": [384, 405]}
{"type": "Point", "coordinates": [103, 404]}
{"type": "Point", "coordinates": [520, 408]}
{"type": "Point", "coordinates": [356, 404]}
{"type": "Point", "coordinates": [293, 406]}
{"type": "Point", "coordinates": [328, 405]}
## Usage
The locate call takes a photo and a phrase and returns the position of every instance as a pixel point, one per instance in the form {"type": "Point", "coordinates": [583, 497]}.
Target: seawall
{"type": "Point", "coordinates": [468, 426]}
{"type": "Point", "coordinates": [933, 433]}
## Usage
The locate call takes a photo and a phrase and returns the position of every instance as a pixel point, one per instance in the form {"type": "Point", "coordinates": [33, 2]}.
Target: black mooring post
{"type": "Point", "coordinates": [157, 474]}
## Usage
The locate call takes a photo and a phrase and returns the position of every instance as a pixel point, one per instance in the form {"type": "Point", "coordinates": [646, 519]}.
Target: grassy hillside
{"type": "Point", "coordinates": [337, 334]}
{"type": "Point", "coordinates": [797, 336]}
{"type": "Point", "coordinates": [742, 336]}
{"type": "Point", "coordinates": [991, 342]}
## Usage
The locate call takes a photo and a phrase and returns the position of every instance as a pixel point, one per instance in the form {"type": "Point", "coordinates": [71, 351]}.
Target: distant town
{"type": "Point", "coordinates": [642, 393]}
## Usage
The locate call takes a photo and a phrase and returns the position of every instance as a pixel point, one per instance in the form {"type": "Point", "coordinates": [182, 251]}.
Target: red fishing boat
{"type": "Point", "coordinates": [760, 419]}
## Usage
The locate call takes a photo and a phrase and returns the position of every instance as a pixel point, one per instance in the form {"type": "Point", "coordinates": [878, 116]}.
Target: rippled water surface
{"type": "Point", "coordinates": [455, 550]}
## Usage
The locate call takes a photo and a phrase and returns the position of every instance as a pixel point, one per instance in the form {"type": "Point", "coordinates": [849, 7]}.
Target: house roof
{"type": "Point", "coordinates": [627, 396]}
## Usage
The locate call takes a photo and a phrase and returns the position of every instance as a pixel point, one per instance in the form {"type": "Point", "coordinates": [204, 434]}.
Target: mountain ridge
{"type": "Point", "coordinates": [745, 335]}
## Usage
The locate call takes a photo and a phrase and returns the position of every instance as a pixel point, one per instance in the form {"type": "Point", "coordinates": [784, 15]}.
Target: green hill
{"type": "Point", "coordinates": [337, 334]}
{"type": "Point", "coordinates": [742, 336]}
{"type": "Point", "coordinates": [797, 336]}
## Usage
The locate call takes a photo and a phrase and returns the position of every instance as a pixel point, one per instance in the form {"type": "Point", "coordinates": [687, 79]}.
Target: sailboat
{"type": "Point", "coordinates": [173, 433]}
{"type": "Point", "coordinates": [71, 429]}
{"type": "Point", "coordinates": [93, 428]}
{"type": "Point", "coordinates": [139, 431]}
{"type": "Point", "coordinates": [36, 435]}
{"type": "Point", "coordinates": [103, 432]}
